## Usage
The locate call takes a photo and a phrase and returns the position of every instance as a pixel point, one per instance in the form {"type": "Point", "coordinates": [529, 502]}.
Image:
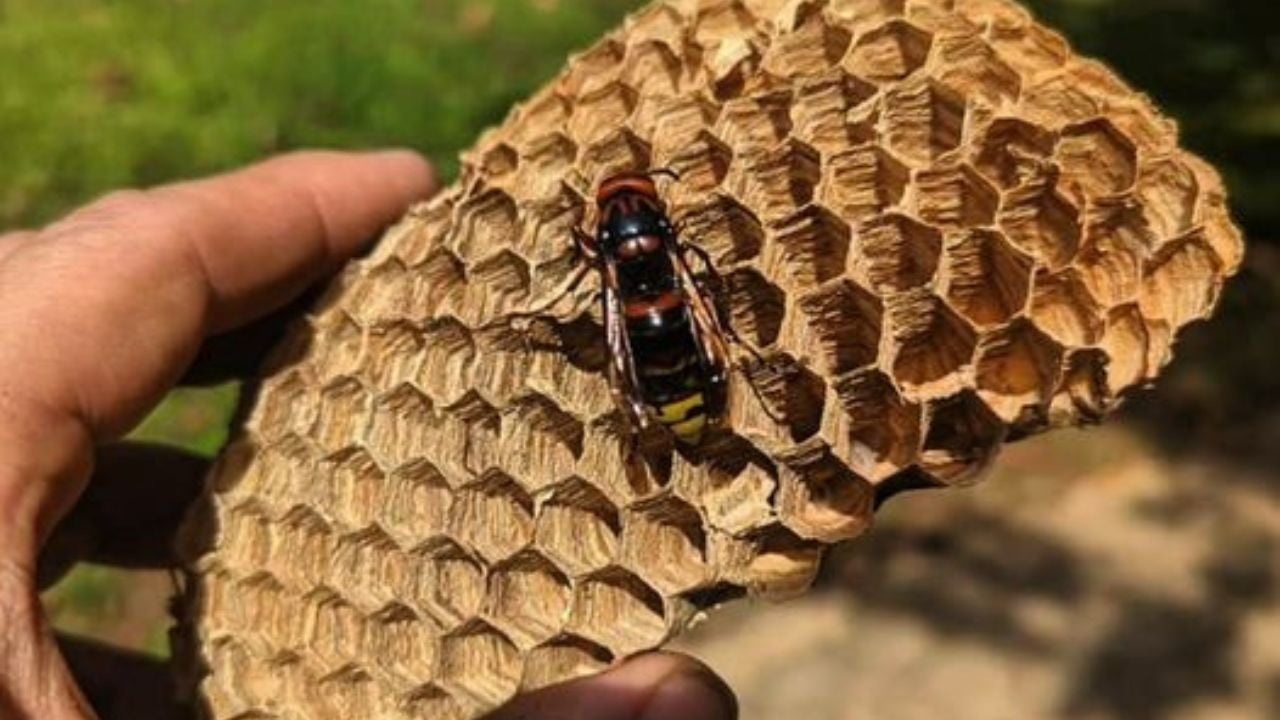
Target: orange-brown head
{"type": "Point", "coordinates": [635, 182]}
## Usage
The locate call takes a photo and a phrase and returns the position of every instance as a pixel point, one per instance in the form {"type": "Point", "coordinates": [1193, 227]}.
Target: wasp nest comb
{"type": "Point", "coordinates": [940, 227]}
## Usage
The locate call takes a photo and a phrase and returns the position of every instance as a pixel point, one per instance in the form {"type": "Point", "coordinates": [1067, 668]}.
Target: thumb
{"type": "Point", "coordinates": [658, 686]}
{"type": "Point", "coordinates": [34, 681]}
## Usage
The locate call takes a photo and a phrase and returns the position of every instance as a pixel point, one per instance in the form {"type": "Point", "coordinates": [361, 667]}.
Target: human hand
{"type": "Point", "coordinates": [101, 314]}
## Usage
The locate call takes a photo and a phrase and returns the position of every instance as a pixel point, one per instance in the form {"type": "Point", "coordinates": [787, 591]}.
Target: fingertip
{"type": "Point", "coordinates": [418, 175]}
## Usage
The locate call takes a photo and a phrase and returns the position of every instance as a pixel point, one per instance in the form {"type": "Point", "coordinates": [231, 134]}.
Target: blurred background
{"type": "Point", "coordinates": [1129, 572]}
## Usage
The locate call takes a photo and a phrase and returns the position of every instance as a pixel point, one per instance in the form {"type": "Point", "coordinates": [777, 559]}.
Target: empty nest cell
{"type": "Point", "coordinates": [862, 182]}
{"type": "Point", "coordinates": [1040, 221]}
{"type": "Point", "coordinates": [971, 68]}
{"type": "Point", "coordinates": [808, 248]}
{"type": "Point", "coordinates": [619, 611]}
{"type": "Point", "coordinates": [600, 113]}
{"type": "Point", "coordinates": [870, 426]}
{"type": "Point", "coordinates": [963, 438]}
{"type": "Point", "coordinates": [895, 253]}
{"type": "Point", "coordinates": [724, 228]}
{"type": "Point", "coordinates": [1018, 369]}
{"type": "Point", "coordinates": [933, 345]}
{"type": "Point", "coordinates": [986, 278]}
{"type": "Point", "coordinates": [756, 306]}
{"type": "Point", "coordinates": [577, 527]}
{"type": "Point", "coordinates": [1117, 240]}
{"type": "Point", "coordinates": [1063, 308]}
{"type": "Point", "coordinates": [480, 661]}
{"type": "Point", "coordinates": [1097, 159]}
{"type": "Point", "coordinates": [1013, 151]}
{"type": "Point", "coordinates": [820, 498]}
{"type": "Point", "coordinates": [401, 425]}
{"type": "Point", "coordinates": [493, 516]}
{"type": "Point", "coordinates": [824, 112]}
{"type": "Point", "coordinates": [564, 658]}
{"type": "Point", "coordinates": [923, 120]}
{"type": "Point", "coordinates": [779, 181]}
{"type": "Point", "coordinates": [663, 541]}
{"type": "Point", "coordinates": [528, 597]}
{"type": "Point", "coordinates": [808, 49]}
{"type": "Point", "coordinates": [890, 52]}
{"type": "Point", "coordinates": [450, 582]}
{"type": "Point", "coordinates": [416, 505]}
{"type": "Point", "coordinates": [955, 197]}
{"type": "Point", "coordinates": [344, 408]}
{"type": "Point", "coordinates": [1182, 282]}
{"type": "Point", "coordinates": [753, 124]}
{"type": "Point", "coordinates": [842, 321]}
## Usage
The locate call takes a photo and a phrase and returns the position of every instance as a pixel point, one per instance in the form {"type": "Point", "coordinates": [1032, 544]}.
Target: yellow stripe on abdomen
{"type": "Point", "coordinates": [683, 420]}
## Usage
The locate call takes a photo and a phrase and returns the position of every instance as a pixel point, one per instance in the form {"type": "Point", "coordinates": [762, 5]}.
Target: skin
{"type": "Point", "coordinates": [102, 313]}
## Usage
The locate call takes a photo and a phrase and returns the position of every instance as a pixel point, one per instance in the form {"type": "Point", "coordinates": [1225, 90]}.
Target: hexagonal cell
{"type": "Point", "coordinates": [403, 645]}
{"type": "Point", "coordinates": [479, 660]}
{"type": "Point", "coordinates": [807, 249]}
{"type": "Point", "coordinates": [963, 439]}
{"type": "Point", "coordinates": [540, 442]}
{"type": "Point", "coordinates": [733, 67]}
{"type": "Point", "coordinates": [721, 21]}
{"type": "Point", "coordinates": [1062, 307]}
{"type": "Point", "coordinates": [543, 112]}
{"type": "Point", "coordinates": [493, 516]}
{"type": "Point", "coordinates": [663, 542]}
{"type": "Point", "coordinates": [393, 297]}
{"type": "Point", "coordinates": [619, 611]}
{"type": "Point", "coordinates": [499, 160]}
{"type": "Point", "coordinates": [870, 427]}
{"type": "Point", "coordinates": [444, 279]}
{"type": "Point", "coordinates": [702, 164]}
{"type": "Point", "coordinates": [808, 49]}
{"type": "Point", "coordinates": [971, 68]}
{"type": "Point", "coordinates": [305, 544]}
{"type": "Point", "coordinates": [1083, 396]}
{"type": "Point", "coordinates": [656, 22]}
{"type": "Point", "coordinates": [955, 197]}
{"type": "Point", "coordinates": [778, 181]}
{"type": "Point", "coordinates": [940, 18]}
{"type": "Point", "coordinates": [347, 688]}
{"type": "Point", "coordinates": [890, 52]}
{"type": "Point", "coordinates": [1096, 159]}
{"type": "Point", "coordinates": [417, 500]}
{"type": "Point", "coordinates": [337, 629]}
{"type": "Point", "coordinates": [1169, 191]}
{"type": "Point", "coordinates": [498, 284]}
{"type": "Point", "coordinates": [861, 183]}
{"type": "Point", "coordinates": [1117, 240]}
{"type": "Point", "coordinates": [402, 422]}
{"type": "Point", "coordinates": [923, 120]}
{"type": "Point", "coordinates": [787, 393]}
{"type": "Point", "coordinates": [753, 124]}
{"type": "Point", "coordinates": [248, 534]}
{"type": "Point", "coordinates": [895, 253]}
{"type": "Point", "coordinates": [1059, 99]}
{"type": "Point", "coordinates": [337, 346]}
{"type": "Point", "coordinates": [1029, 47]}
{"type": "Point", "coordinates": [820, 498]}
{"type": "Point", "coordinates": [562, 659]}
{"type": "Point", "coordinates": [1042, 222]}
{"type": "Point", "coordinates": [450, 582]}
{"type": "Point", "coordinates": [549, 224]}
{"type": "Point", "coordinates": [353, 485]}
{"type": "Point", "coordinates": [734, 487]}
{"type": "Point", "coordinates": [607, 439]}
{"type": "Point", "coordinates": [866, 13]}
{"type": "Point", "coordinates": [932, 344]}
{"type": "Point", "coordinates": [287, 406]}
{"type": "Point", "coordinates": [447, 358]}
{"type": "Point", "coordinates": [773, 563]}
{"type": "Point", "coordinates": [724, 228]}
{"type": "Point", "coordinates": [824, 109]}
{"type": "Point", "coordinates": [1018, 369]}
{"type": "Point", "coordinates": [353, 571]}
{"type": "Point", "coordinates": [577, 527]}
{"type": "Point", "coordinates": [756, 307]}
{"type": "Point", "coordinates": [652, 69]}
{"type": "Point", "coordinates": [619, 151]}
{"type": "Point", "coordinates": [486, 221]}
{"type": "Point", "coordinates": [842, 321]}
{"type": "Point", "coordinates": [673, 123]}
{"type": "Point", "coordinates": [1182, 282]}
{"type": "Point", "coordinates": [472, 424]}
{"type": "Point", "coordinates": [590, 69]}
{"type": "Point", "coordinates": [528, 598]}
{"type": "Point", "coordinates": [1126, 344]}
{"type": "Point", "coordinates": [545, 163]}
{"type": "Point", "coordinates": [344, 408]}
{"type": "Point", "coordinates": [1222, 234]}
{"type": "Point", "coordinates": [985, 277]}
{"type": "Point", "coordinates": [394, 349]}
{"type": "Point", "coordinates": [502, 363]}
{"type": "Point", "coordinates": [431, 702]}
{"type": "Point", "coordinates": [601, 112]}
{"type": "Point", "coordinates": [1013, 152]}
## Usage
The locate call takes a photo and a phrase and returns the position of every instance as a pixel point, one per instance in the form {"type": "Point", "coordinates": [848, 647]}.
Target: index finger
{"type": "Point", "coordinates": [107, 307]}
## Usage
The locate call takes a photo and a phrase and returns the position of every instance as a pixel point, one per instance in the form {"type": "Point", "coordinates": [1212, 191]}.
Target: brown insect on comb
{"type": "Point", "coordinates": [941, 227]}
